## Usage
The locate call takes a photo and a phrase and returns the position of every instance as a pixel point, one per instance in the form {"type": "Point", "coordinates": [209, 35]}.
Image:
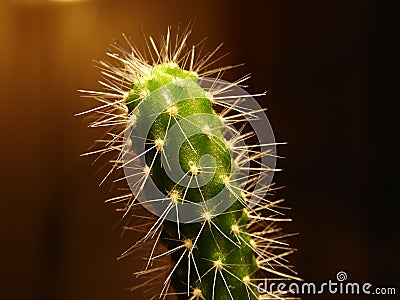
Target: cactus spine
{"type": "Point", "coordinates": [219, 255]}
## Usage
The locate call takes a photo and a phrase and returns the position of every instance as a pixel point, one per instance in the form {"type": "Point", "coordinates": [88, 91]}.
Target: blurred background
{"type": "Point", "coordinates": [331, 69]}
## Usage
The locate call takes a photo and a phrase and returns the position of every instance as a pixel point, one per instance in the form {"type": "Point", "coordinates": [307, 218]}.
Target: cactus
{"type": "Point", "coordinates": [166, 128]}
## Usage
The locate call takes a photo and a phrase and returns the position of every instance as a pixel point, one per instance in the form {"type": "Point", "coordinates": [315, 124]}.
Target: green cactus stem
{"type": "Point", "coordinates": [228, 266]}
{"type": "Point", "coordinates": [160, 114]}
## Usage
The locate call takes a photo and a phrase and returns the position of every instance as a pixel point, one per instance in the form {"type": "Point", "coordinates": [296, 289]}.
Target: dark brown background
{"type": "Point", "coordinates": [331, 69]}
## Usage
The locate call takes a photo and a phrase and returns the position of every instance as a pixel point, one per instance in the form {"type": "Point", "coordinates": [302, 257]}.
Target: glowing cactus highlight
{"type": "Point", "coordinates": [180, 142]}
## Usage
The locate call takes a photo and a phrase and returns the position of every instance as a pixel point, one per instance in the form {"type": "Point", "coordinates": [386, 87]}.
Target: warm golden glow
{"type": "Point", "coordinates": [67, 1]}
